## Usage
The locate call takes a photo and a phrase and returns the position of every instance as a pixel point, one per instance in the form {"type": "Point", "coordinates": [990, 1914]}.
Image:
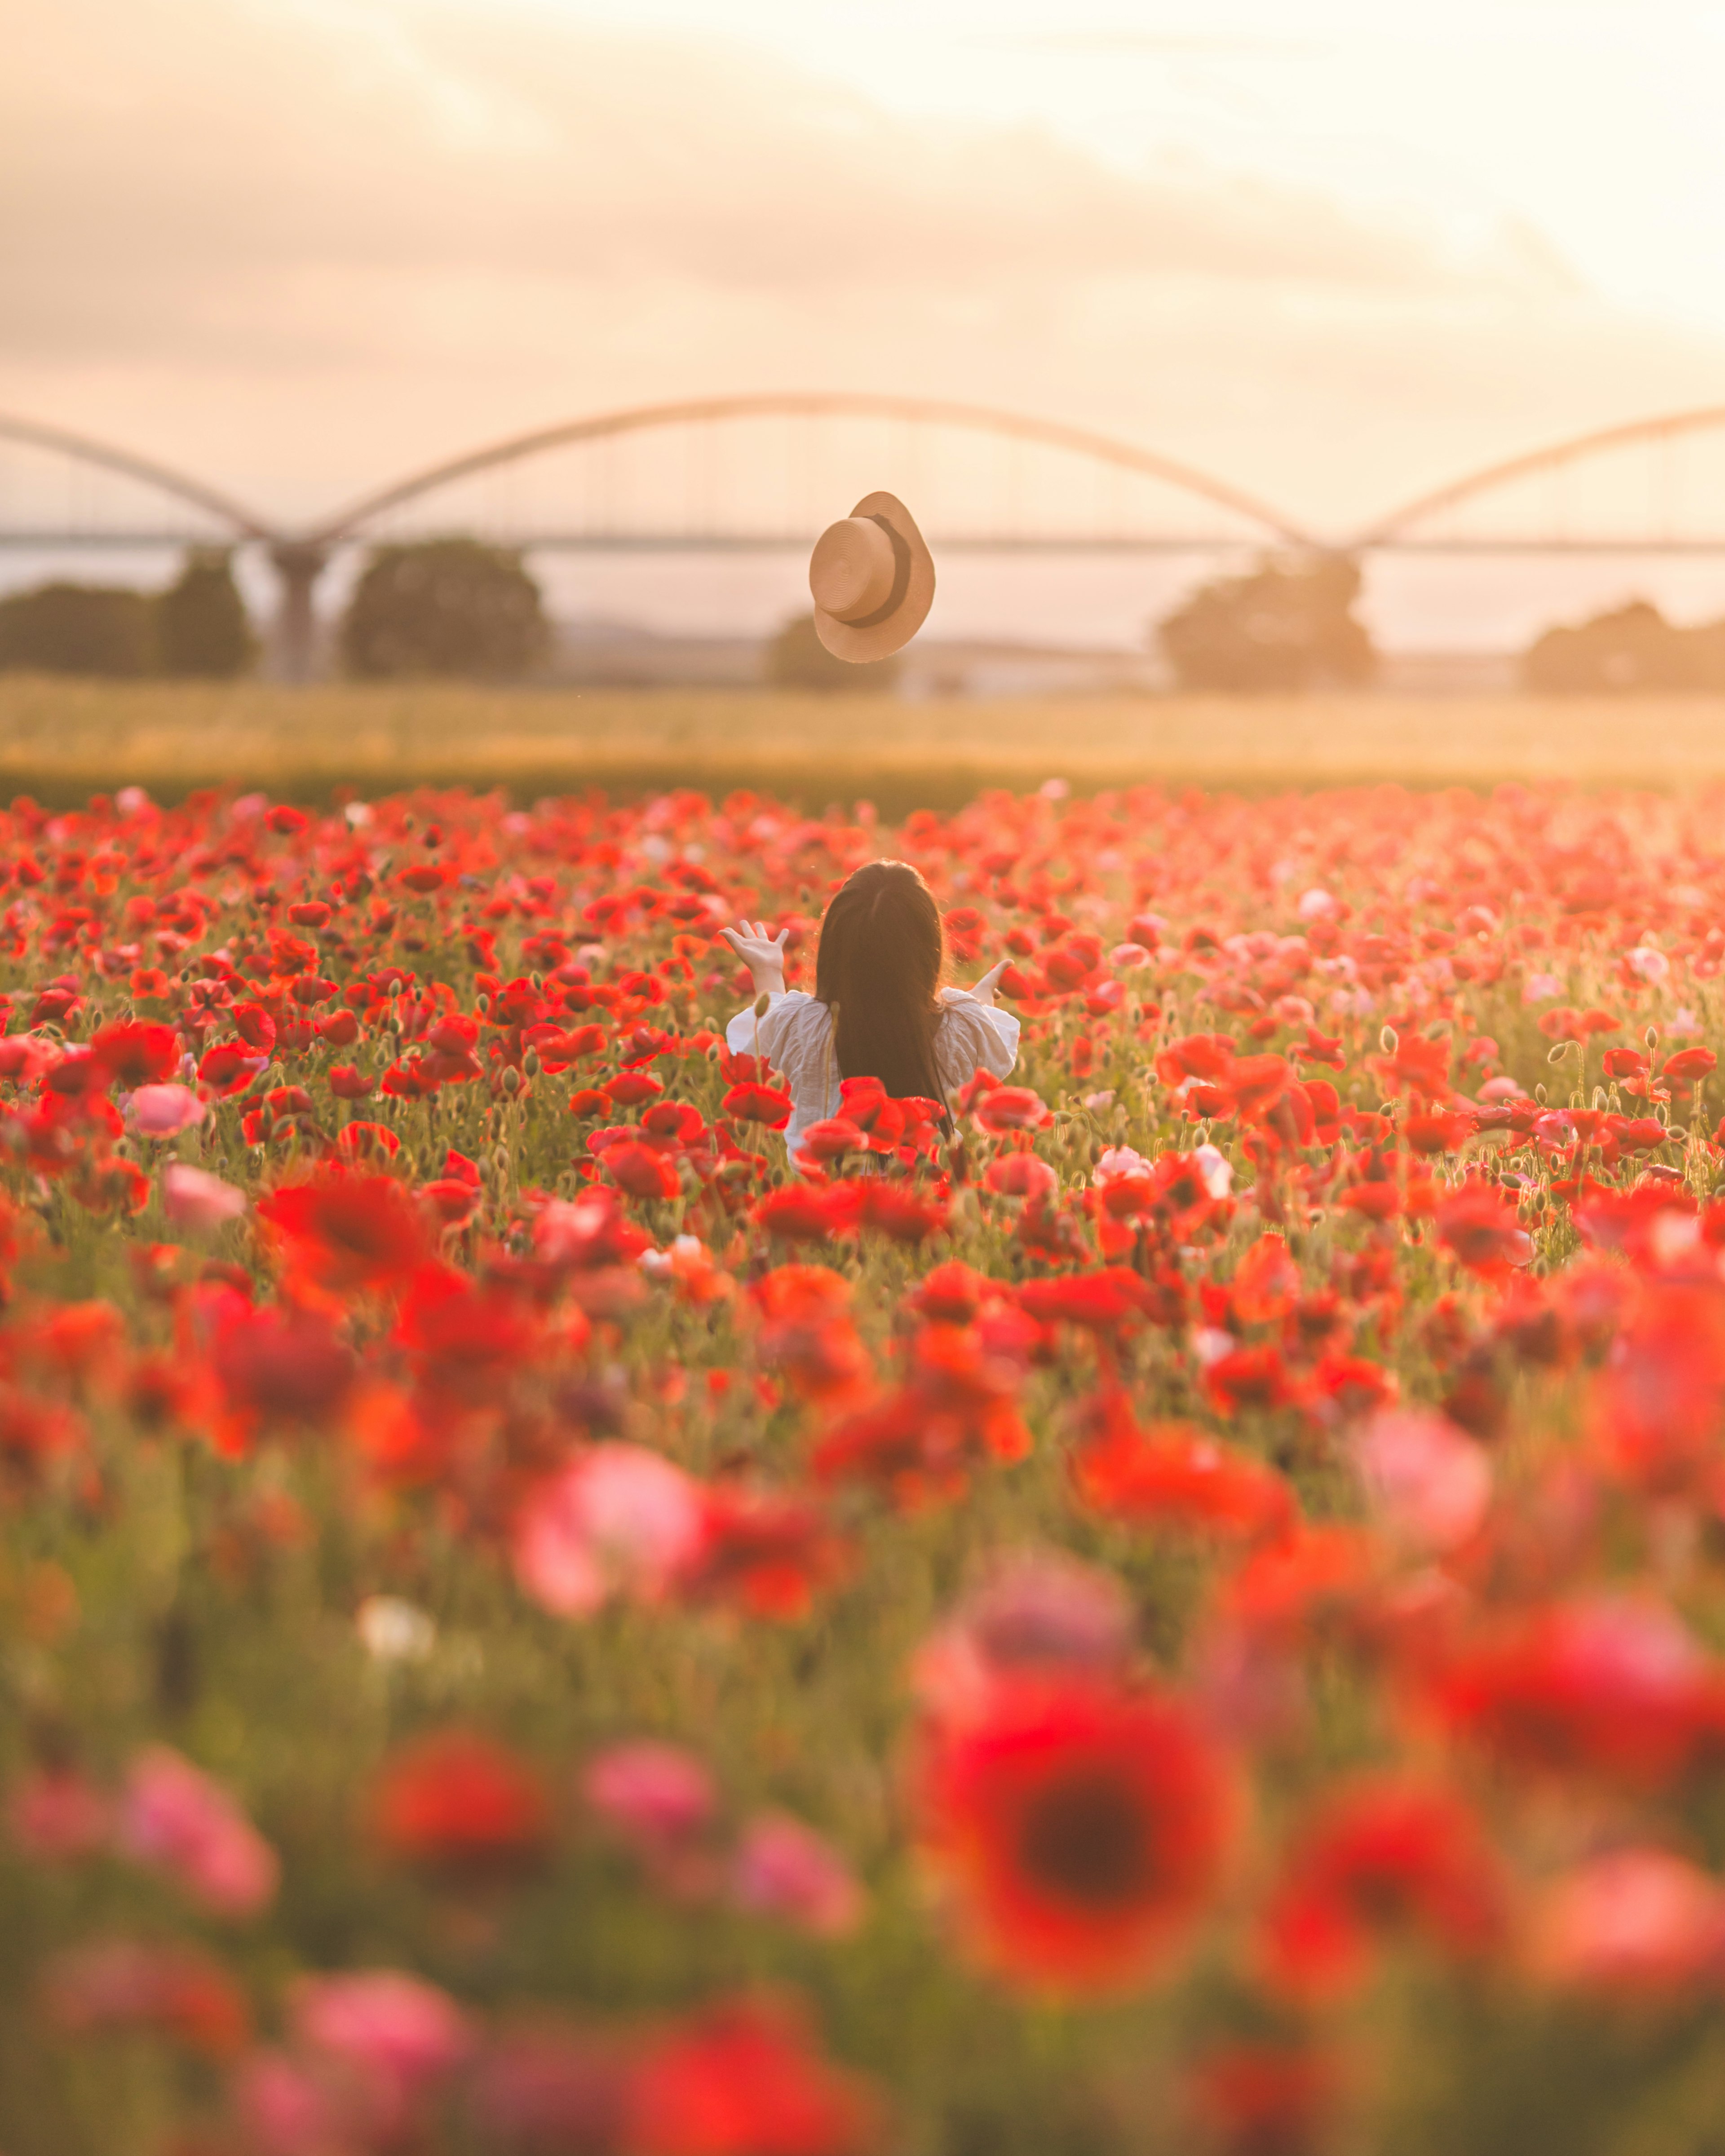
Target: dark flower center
{"type": "Point", "coordinates": [1087, 1838]}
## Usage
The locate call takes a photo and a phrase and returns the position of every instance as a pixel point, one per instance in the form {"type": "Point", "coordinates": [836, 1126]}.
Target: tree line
{"type": "Point", "coordinates": [456, 607]}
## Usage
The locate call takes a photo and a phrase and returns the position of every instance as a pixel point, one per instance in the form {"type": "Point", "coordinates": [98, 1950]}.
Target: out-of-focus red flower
{"type": "Point", "coordinates": [1290, 1589]}
{"type": "Point", "coordinates": [1004, 1108]}
{"type": "Point", "coordinates": [1614, 1691]}
{"type": "Point", "coordinates": [767, 1551]}
{"type": "Point", "coordinates": [1478, 1225]}
{"type": "Point", "coordinates": [641, 1171]}
{"type": "Point", "coordinates": [743, 2079]}
{"type": "Point", "coordinates": [56, 1816]}
{"type": "Point", "coordinates": [1173, 1475]}
{"type": "Point", "coordinates": [458, 1804]}
{"type": "Point", "coordinates": [1081, 1828]}
{"type": "Point", "coordinates": [135, 1053]}
{"type": "Point", "coordinates": [279, 1366]}
{"type": "Point", "coordinates": [545, 2088]}
{"type": "Point", "coordinates": [174, 1991]}
{"type": "Point", "coordinates": [347, 1231]}
{"type": "Point", "coordinates": [807, 1331]}
{"type": "Point", "coordinates": [1264, 2099]}
{"type": "Point", "coordinates": [1656, 1409]}
{"type": "Point", "coordinates": [1379, 1857]}
{"type": "Point", "coordinates": [1019, 1175]}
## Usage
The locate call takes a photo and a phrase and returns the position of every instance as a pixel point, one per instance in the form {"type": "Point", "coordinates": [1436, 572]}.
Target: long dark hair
{"type": "Point", "coordinates": [878, 968]}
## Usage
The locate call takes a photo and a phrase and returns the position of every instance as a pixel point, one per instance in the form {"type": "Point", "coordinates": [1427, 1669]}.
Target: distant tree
{"type": "Point", "coordinates": [797, 659]}
{"type": "Point", "coordinates": [444, 606]}
{"type": "Point", "coordinates": [1626, 649]}
{"type": "Point", "coordinates": [78, 628]}
{"type": "Point", "coordinates": [1289, 625]}
{"type": "Point", "coordinates": [202, 630]}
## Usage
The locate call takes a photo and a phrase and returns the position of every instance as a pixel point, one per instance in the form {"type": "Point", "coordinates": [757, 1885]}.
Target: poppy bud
{"type": "Point", "coordinates": [482, 1004]}
{"type": "Point", "coordinates": [1559, 1052]}
{"type": "Point", "coordinates": [1539, 1095]}
{"type": "Point", "coordinates": [531, 1063]}
{"type": "Point", "coordinates": [538, 981]}
{"type": "Point", "coordinates": [763, 1004]}
{"type": "Point", "coordinates": [511, 1081]}
{"type": "Point", "coordinates": [1388, 1040]}
{"type": "Point", "coordinates": [1651, 1038]}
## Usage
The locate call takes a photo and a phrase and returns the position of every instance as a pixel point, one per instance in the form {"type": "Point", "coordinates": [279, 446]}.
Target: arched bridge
{"type": "Point", "coordinates": [763, 473]}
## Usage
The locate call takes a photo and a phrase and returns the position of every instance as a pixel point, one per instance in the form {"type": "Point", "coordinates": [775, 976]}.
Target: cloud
{"type": "Point", "coordinates": [181, 166]}
{"type": "Point", "coordinates": [301, 245]}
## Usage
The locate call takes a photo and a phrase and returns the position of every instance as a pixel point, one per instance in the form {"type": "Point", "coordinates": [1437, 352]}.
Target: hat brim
{"type": "Point", "coordinates": [883, 638]}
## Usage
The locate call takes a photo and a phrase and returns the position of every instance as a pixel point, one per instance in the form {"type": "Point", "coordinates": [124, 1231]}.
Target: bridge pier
{"type": "Point", "coordinates": [293, 653]}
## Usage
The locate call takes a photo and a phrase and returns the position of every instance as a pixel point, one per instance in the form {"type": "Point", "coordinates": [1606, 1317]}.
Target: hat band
{"type": "Point", "coordinates": [901, 579]}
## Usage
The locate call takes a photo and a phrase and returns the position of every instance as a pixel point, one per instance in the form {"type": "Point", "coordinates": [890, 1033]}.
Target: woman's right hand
{"type": "Point", "coordinates": [761, 951]}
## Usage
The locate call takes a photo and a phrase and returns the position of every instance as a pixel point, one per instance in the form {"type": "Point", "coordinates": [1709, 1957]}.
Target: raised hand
{"type": "Point", "coordinates": [982, 991]}
{"type": "Point", "coordinates": [760, 951]}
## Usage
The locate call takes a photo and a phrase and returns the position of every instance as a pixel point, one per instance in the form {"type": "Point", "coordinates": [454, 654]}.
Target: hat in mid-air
{"type": "Point", "coordinates": [872, 580]}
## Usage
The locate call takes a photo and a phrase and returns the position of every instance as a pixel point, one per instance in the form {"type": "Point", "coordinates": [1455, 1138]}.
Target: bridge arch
{"type": "Point", "coordinates": [126, 464]}
{"type": "Point", "coordinates": [351, 523]}
{"type": "Point", "coordinates": [1399, 525]}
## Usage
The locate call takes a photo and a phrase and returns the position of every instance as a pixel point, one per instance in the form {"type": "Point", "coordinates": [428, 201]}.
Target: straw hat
{"type": "Point", "coordinates": [872, 580]}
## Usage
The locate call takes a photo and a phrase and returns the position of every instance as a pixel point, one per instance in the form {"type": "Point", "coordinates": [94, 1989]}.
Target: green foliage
{"type": "Point", "coordinates": [797, 659]}
{"type": "Point", "coordinates": [444, 607]}
{"type": "Point", "coordinates": [202, 631]}
{"type": "Point", "coordinates": [1289, 625]}
{"type": "Point", "coordinates": [78, 628]}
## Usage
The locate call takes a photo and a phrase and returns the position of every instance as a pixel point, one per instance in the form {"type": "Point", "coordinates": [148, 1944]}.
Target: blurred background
{"type": "Point", "coordinates": [1216, 349]}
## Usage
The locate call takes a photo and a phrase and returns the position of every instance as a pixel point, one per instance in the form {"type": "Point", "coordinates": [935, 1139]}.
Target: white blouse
{"type": "Point", "coordinates": [795, 1034]}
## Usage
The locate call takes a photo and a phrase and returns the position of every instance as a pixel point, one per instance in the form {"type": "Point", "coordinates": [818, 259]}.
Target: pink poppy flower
{"type": "Point", "coordinates": [174, 1818]}
{"type": "Point", "coordinates": [163, 1111]}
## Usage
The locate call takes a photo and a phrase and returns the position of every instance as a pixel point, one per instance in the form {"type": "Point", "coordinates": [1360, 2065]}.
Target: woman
{"type": "Point", "coordinates": [879, 1009]}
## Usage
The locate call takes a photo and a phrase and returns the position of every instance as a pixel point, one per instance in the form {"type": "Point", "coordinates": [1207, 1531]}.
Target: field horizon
{"type": "Point", "coordinates": [61, 740]}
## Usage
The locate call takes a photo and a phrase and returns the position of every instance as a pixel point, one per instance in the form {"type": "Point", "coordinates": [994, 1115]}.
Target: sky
{"type": "Point", "coordinates": [1334, 255]}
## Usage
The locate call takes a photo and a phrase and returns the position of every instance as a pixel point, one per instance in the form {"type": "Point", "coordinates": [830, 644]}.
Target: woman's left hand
{"type": "Point", "coordinates": [983, 989]}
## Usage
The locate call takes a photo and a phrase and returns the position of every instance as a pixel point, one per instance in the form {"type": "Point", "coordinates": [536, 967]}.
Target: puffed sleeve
{"type": "Point", "coordinates": [975, 1036]}
{"type": "Point", "coordinates": [777, 1024]}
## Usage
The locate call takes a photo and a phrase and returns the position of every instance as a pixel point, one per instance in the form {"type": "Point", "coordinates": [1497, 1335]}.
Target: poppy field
{"type": "Point", "coordinates": [1179, 1606]}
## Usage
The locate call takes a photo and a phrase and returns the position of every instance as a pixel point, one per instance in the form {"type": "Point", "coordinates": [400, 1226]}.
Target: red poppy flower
{"type": "Point", "coordinates": [629, 1088]}
{"type": "Point", "coordinates": [1478, 1225]}
{"type": "Point", "coordinates": [457, 1802]}
{"type": "Point", "coordinates": [1379, 1856]}
{"type": "Point", "coordinates": [798, 1215]}
{"type": "Point", "coordinates": [347, 1231]}
{"type": "Point", "coordinates": [769, 1551]}
{"type": "Point", "coordinates": [181, 1993]}
{"type": "Point", "coordinates": [1082, 1830]}
{"type": "Point", "coordinates": [1011, 1108]}
{"type": "Point", "coordinates": [1614, 1691]}
{"type": "Point", "coordinates": [743, 2079]}
{"type": "Point", "coordinates": [1172, 1475]}
{"type": "Point", "coordinates": [641, 1170]}
{"type": "Point", "coordinates": [749, 1103]}
{"type": "Point", "coordinates": [1264, 2098]}
{"type": "Point", "coordinates": [137, 1053]}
